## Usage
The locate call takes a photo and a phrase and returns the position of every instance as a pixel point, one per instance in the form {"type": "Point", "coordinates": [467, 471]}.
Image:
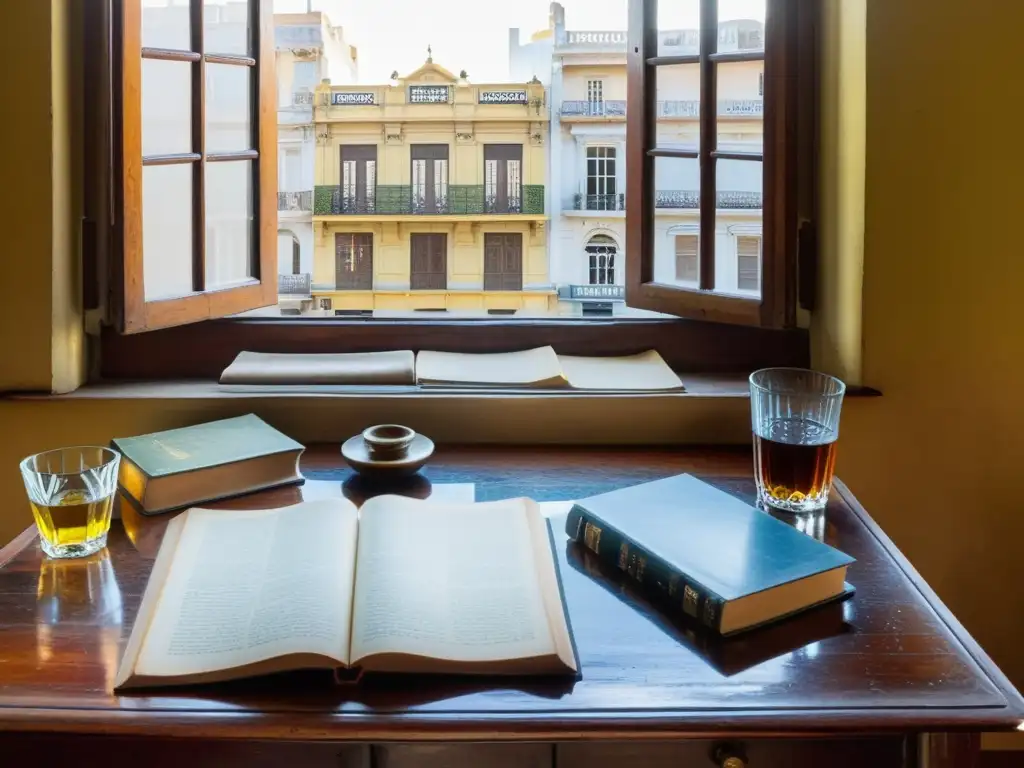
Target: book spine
{"type": "Point", "coordinates": [657, 578]}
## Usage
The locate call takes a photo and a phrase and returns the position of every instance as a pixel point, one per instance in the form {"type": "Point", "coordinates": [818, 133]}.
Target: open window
{"type": "Point", "coordinates": [196, 186]}
{"type": "Point", "coordinates": [746, 169]}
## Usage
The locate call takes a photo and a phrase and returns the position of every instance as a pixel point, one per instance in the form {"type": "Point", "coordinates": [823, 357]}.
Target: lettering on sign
{"type": "Point", "coordinates": [597, 38]}
{"type": "Point", "coordinates": [351, 99]}
{"type": "Point", "coordinates": [428, 94]}
{"type": "Point", "coordinates": [502, 97]}
{"type": "Point", "coordinates": [597, 292]}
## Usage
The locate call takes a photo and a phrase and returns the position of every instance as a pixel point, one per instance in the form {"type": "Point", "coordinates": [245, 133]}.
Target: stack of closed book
{"type": "Point", "coordinates": [708, 555]}
{"type": "Point", "coordinates": [175, 469]}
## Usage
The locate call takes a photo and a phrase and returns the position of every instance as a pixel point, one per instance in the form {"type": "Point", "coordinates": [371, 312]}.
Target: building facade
{"type": "Point", "coordinates": [430, 195]}
{"type": "Point", "coordinates": [587, 91]}
{"type": "Point", "coordinates": [308, 49]}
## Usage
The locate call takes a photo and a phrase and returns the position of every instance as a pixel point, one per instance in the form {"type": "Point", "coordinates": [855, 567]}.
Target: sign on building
{"type": "Point", "coordinates": [352, 99]}
{"type": "Point", "coordinates": [503, 97]}
{"type": "Point", "coordinates": [428, 94]}
{"type": "Point", "coordinates": [606, 292]}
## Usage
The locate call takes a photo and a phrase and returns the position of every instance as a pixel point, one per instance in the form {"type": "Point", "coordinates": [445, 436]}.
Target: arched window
{"type": "Point", "coordinates": [601, 251]}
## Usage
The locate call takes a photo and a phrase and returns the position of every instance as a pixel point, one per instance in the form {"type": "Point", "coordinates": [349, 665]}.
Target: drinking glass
{"type": "Point", "coordinates": [795, 419]}
{"type": "Point", "coordinates": [71, 491]}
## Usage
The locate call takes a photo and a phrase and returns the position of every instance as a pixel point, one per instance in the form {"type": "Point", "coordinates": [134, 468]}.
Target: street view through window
{"type": "Point", "coordinates": [459, 158]}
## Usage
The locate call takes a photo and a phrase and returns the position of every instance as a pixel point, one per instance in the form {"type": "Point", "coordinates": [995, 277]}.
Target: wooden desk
{"type": "Point", "coordinates": [892, 679]}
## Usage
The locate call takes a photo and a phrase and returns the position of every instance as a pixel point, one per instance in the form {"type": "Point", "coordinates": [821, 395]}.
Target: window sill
{"type": "Point", "coordinates": [696, 387]}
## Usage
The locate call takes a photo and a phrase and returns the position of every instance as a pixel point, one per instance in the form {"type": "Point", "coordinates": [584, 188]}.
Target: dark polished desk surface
{"type": "Point", "coordinates": [891, 660]}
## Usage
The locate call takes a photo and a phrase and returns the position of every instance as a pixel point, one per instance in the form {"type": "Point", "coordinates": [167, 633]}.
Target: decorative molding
{"type": "Point", "coordinates": [393, 133]}
{"type": "Point", "coordinates": [537, 134]}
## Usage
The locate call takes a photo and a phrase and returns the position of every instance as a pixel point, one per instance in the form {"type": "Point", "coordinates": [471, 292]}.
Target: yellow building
{"type": "Point", "coordinates": [430, 195]}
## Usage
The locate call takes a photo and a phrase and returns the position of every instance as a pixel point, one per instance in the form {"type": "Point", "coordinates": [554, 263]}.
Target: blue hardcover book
{"type": "Point", "coordinates": [175, 469]}
{"type": "Point", "coordinates": [718, 560]}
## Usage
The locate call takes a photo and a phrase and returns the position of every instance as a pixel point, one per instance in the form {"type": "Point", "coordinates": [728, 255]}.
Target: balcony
{"type": "Point", "coordinates": [583, 202]}
{"type": "Point", "coordinates": [690, 198]}
{"type": "Point", "coordinates": [666, 109]}
{"type": "Point", "coordinates": [301, 202]}
{"type": "Point", "coordinates": [294, 285]}
{"type": "Point", "coordinates": [398, 200]}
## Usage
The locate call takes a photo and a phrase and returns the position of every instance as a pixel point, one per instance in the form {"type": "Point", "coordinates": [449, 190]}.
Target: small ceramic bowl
{"type": "Point", "coordinates": [388, 441]}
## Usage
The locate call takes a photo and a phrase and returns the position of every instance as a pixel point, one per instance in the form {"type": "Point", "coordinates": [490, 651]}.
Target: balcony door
{"type": "Point", "coordinates": [429, 178]}
{"type": "Point", "coordinates": [428, 262]}
{"type": "Point", "coordinates": [503, 262]}
{"type": "Point", "coordinates": [503, 178]}
{"type": "Point", "coordinates": [353, 253]}
{"type": "Point", "coordinates": [358, 178]}
{"type": "Point", "coordinates": [602, 194]}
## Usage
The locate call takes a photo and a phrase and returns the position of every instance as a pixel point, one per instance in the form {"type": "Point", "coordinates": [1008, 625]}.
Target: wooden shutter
{"type": "Point", "coordinates": [428, 262]}
{"type": "Point", "coordinates": [353, 255]}
{"type": "Point", "coordinates": [748, 263]}
{"type": "Point", "coordinates": [196, 187]}
{"type": "Point", "coordinates": [503, 262]}
{"type": "Point", "coordinates": [687, 258]}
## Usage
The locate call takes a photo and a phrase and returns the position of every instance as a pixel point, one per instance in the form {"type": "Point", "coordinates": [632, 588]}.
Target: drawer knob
{"type": "Point", "coordinates": [734, 762]}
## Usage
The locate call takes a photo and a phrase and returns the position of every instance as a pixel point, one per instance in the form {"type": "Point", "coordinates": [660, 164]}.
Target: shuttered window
{"type": "Point", "coordinates": [687, 258]}
{"type": "Point", "coordinates": [748, 263]}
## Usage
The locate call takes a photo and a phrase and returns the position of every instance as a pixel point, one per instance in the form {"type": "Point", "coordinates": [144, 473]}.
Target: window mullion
{"type": "Point", "coordinates": [199, 146]}
{"type": "Point", "coordinates": [708, 141]}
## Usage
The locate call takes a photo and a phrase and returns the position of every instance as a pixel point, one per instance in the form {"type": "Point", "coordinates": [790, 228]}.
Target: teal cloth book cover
{"type": "Point", "coordinates": [204, 445]}
{"type": "Point", "coordinates": [706, 551]}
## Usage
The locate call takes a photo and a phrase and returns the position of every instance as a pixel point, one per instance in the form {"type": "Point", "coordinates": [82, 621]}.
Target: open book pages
{"type": "Point", "coordinates": [529, 368]}
{"type": "Point", "coordinates": [397, 367]}
{"type": "Point", "coordinates": [400, 586]}
{"type": "Point", "coordinates": [644, 372]}
{"type": "Point", "coordinates": [542, 368]}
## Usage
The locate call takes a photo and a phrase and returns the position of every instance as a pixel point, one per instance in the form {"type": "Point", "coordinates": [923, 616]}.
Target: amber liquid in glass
{"type": "Point", "coordinates": [74, 519]}
{"type": "Point", "coordinates": [791, 472]}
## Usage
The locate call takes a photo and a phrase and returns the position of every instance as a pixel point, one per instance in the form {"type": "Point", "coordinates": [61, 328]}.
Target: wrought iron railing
{"type": "Point", "coordinates": [294, 285]}
{"type": "Point", "coordinates": [690, 198]}
{"type": "Point", "coordinates": [295, 201]}
{"type": "Point", "coordinates": [667, 108]}
{"type": "Point", "coordinates": [399, 199]}
{"type": "Point", "coordinates": [613, 202]}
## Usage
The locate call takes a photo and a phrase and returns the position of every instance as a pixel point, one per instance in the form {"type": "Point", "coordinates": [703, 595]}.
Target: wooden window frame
{"type": "Point", "coordinates": [204, 349]}
{"type": "Point", "coordinates": [788, 160]}
{"type": "Point", "coordinates": [496, 280]}
{"type": "Point", "coordinates": [133, 313]}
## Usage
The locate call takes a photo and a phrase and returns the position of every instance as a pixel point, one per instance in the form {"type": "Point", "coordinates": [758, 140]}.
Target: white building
{"type": "Point", "coordinates": [309, 49]}
{"type": "Point", "coordinates": [587, 171]}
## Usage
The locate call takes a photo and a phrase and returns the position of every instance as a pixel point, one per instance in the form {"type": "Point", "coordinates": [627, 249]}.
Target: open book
{"type": "Point", "coordinates": [399, 586]}
{"type": "Point", "coordinates": [544, 368]}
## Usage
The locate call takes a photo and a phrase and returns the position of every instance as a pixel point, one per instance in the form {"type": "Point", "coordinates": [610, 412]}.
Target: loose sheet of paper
{"type": "Point", "coordinates": [644, 372]}
{"type": "Point", "coordinates": [528, 368]}
{"type": "Point", "coordinates": [252, 585]}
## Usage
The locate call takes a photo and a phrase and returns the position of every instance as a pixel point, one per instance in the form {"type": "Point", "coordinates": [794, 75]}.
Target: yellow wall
{"type": "Point", "coordinates": [938, 459]}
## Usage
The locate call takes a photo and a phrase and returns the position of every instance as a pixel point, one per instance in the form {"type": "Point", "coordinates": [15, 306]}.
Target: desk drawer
{"type": "Point", "coordinates": [881, 752]}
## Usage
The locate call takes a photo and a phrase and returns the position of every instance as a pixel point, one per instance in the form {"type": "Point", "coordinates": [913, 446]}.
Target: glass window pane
{"type": "Point", "coordinates": [226, 27]}
{"type": "Point", "coordinates": [678, 95]}
{"type": "Point", "coordinates": [167, 230]}
{"type": "Point", "coordinates": [166, 107]}
{"type": "Point", "coordinates": [229, 223]}
{"type": "Point", "coordinates": [739, 227]}
{"type": "Point", "coordinates": [228, 118]}
{"type": "Point", "coordinates": [678, 27]}
{"type": "Point", "coordinates": [741, 25]}
{"type": "Point", "coordinates": [676, 220]}
{"type": "Point", "coordinates": [166, 25]}
{"type": "Point", "coordinates": [741, 106]}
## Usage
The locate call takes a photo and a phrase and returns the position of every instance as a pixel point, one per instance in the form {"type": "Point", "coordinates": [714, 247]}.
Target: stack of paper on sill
{"type": "Point", "coordinates": [542, 368]}
{"type": "Point", "coordinates": [534, 369]}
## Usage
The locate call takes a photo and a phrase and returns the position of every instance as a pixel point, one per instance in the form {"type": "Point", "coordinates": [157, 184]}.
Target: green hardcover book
{"type": "Point", "coordinates": [716, 559]}
{"type": "Point", "coordinates": [171, 470]}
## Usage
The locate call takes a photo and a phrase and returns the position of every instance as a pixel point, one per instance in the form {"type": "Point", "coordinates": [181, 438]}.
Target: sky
{"type": "Point", "coordinates": [473, 34]}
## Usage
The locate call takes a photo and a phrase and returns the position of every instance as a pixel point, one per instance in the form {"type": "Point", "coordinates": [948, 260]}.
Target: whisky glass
{"type": "Point", "coordinates": [72, 491]}
{"type": "Point", "coordinates": [794, 416]}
